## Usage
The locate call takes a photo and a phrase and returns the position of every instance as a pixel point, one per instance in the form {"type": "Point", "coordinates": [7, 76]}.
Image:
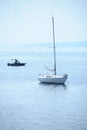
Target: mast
{"type": "Point", "coordinates": [54, 46]}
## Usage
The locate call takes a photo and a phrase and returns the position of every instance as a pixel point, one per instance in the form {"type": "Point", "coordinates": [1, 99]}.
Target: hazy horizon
{"type": "Point", "coordinates": [30, 21]}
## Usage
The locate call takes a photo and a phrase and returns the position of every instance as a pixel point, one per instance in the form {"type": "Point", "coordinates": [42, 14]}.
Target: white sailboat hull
{"type": "Point", "coordinates": [53, 79]}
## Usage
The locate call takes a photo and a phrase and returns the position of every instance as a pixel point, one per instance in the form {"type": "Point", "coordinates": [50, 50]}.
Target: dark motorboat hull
{"type": "Point", "coordinates": [16, 64]}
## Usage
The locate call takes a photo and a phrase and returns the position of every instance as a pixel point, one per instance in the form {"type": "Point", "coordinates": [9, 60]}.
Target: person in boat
{"type": "Point", "coordinates": [16, 61]}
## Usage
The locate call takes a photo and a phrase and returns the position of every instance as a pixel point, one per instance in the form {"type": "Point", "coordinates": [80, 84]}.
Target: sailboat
{"type": "Point", "coordinates": [53, 78]}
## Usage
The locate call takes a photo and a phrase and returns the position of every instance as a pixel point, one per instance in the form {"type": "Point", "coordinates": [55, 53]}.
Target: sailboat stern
{"type": "Point", "coordinates": [65, 77]}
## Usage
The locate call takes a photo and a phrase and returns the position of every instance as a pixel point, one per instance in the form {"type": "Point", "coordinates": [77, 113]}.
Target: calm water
{"type": "Point", "coordinates": [26, 104]}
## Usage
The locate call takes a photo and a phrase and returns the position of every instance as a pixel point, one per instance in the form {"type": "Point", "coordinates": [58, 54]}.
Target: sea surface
{"type": "Point", "coordinates": [26, 104]}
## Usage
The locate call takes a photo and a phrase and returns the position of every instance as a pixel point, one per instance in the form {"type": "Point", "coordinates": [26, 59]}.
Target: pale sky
{"type": "Point", "coordinates": [29, 21]}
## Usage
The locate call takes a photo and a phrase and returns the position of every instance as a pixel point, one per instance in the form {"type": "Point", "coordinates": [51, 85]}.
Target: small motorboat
{"type": "Point", "coordinates": [16, 63]}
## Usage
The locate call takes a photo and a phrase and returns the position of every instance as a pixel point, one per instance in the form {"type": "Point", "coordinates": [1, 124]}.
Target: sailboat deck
{"type": "Point", "coordinates": [50, 76]}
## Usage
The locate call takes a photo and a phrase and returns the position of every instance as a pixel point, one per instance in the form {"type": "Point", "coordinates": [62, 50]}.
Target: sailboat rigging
{"type": "Point", "coordinates": [53, 78]}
